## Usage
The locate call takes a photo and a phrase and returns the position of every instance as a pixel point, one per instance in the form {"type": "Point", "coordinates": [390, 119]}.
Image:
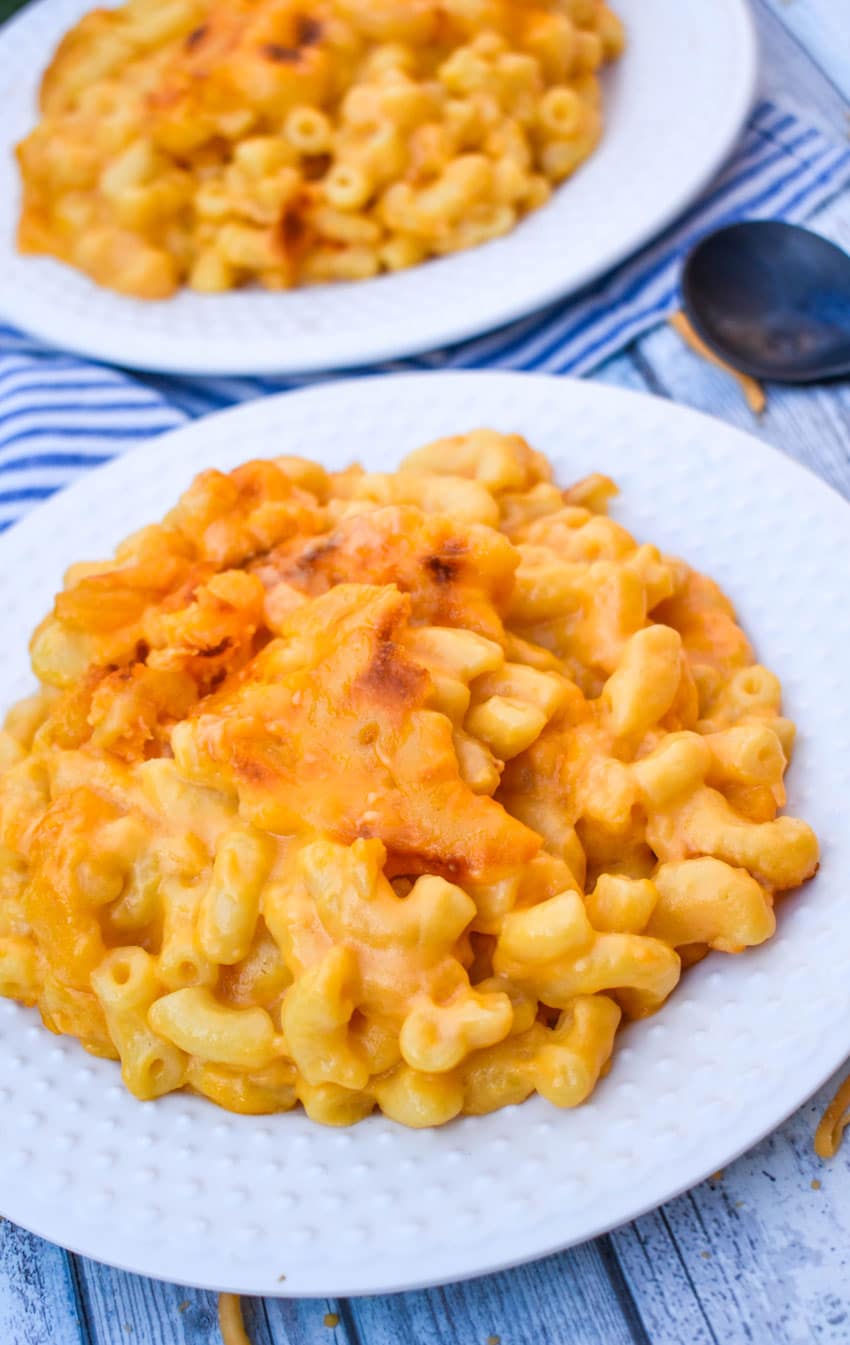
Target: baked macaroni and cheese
{"type": "Point", "coordinates": [216, 142]}
{"type": "Point", "coordinates": [396, 790]}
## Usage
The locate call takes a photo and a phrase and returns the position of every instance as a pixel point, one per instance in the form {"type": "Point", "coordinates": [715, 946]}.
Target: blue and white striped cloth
{"type": "Point", "coordinates": [60, 415]}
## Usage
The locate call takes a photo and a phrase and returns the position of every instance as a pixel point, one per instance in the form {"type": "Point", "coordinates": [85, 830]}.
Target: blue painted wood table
{"type": "Point", "coordinates": [760, 1252]}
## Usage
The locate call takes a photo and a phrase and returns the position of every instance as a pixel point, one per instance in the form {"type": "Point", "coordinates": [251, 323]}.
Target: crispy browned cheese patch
{"type": "Point", "coordinates": [174, 594]}
{"type": "Point", "coordinates": [326, 731]}
{"type": "Point", "coordinates": [456, 576]}
{"type": "Point", "coordinates": [234, 58]}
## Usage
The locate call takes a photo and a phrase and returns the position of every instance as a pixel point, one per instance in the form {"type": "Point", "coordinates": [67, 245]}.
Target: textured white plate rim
{"type": "Point", "coordinates": [405, 327]}
{"type": "Point", "coordinates": [357, 411]}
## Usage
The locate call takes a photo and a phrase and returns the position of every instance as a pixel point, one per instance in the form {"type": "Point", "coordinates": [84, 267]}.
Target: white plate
{"type": "Point", "coordinates": [181, 1190]}
{"type": "Point", "coordinates": [675, 104]}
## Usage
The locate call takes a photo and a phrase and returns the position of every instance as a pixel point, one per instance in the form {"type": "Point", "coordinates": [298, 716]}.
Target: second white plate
{"type": "Point", "coordinates": [674, 106]}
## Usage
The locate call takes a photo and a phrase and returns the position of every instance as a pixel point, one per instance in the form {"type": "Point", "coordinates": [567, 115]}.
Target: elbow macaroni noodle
{"type": "Point", "coordinates": [231, 1323]}
{"type": "Point", "coordinates": [385, 790]}
{"type": "Point", "coordinates": [216, 142]}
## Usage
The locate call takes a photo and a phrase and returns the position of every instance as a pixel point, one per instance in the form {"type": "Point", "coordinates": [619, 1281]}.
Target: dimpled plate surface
{"type": "Point", "coordinates": [181, 1190]}
{"type": "Point", "coordinates": [675, 105]}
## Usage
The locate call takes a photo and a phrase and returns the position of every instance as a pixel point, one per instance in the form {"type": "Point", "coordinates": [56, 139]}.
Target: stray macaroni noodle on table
{"type": "Point", "coordinates": [395, 790]}
{"type": "Point", "coordinates": [216, 142]}
{"type": "Point", "coordinates": [230, 1320]}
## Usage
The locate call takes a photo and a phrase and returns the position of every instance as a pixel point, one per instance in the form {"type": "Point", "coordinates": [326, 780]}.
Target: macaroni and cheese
{"type": "Point", "coordinates": [216, 142]}
{"type": "Point", "coordinates": [395, 790]}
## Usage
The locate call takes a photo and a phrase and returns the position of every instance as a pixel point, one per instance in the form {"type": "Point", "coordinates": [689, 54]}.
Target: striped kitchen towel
{"type": "Point", "coordinates": [60, 415]}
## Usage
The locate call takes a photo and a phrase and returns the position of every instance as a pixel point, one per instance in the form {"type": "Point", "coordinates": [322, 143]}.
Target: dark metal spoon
{"type": "Point", "coordinates": [771, 299]}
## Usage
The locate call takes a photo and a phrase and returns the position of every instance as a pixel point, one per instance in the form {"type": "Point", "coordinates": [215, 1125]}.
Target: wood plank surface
{"type": "Point", "coordinates": [763, 1250]}
{"type": "Point", "coordinates": [571, 1299]}
{"type": "Point", "coordinates": [821, 27]}
{"type": "Point", "coordinates": [39, 1304]}
{"type": "Point", "coordinates": [136, 1311]}
{"type": "Point", "coordinates": [788, 73]}
{"type": "Point", "coordinates": [310, 1321]}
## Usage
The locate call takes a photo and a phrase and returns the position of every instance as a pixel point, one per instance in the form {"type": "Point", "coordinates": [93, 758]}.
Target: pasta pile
{"type": "Point", "coordinates": [216, 142]}
{"type": "Point", "coordinates": [399, 790]}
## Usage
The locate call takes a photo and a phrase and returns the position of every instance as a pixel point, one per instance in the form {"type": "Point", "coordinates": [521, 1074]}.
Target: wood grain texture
{"type": "Point", "coordinates": [570, 1299]}
{"type": "Point", "coordinates": [122, 1309]}
{"type": "Point", "coordinates": [762, 1252]}
{"type": "Point", "coordinates": [38, 1294]}
{"type": "Point", "coordinates": [789, 73]}
{"type": "Point", "coordinates": [821, 28]}
{"type": "Point", "coordinates": [301, 1321]}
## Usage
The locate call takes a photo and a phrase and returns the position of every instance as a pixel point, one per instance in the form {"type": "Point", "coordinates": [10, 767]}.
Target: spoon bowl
{"type": "Point", "coordinates": [771, 299]}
